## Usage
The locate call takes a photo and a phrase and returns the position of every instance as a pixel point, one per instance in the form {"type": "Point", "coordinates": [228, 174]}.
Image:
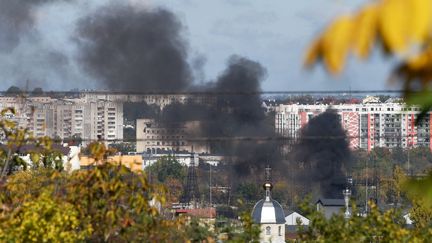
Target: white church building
{"type": "Point", "coordinates": [268, 213]}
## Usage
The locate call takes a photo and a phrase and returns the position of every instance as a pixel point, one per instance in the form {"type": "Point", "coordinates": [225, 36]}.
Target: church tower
{"type": "Point", "coordinates": [268, 213]}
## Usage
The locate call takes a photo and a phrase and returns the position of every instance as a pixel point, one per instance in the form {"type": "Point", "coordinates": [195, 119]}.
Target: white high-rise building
{"type": "Point", "coordinates": [64, 118]}
{"type": "Point", "coordinates": [367, 125]}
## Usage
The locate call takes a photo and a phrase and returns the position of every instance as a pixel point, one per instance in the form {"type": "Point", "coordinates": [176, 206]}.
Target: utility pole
{"type": "Point", "coordinates": [210, 185]}
{"type": "Point", "coordinates": [366, 184]}
{"type": "Point", "coordinates": [408, 161]}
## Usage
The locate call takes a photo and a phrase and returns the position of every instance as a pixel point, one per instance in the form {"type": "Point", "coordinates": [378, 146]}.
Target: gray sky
{"type": "Point", "coordinates": [272, 32]}
{"type": "Point", "coordinates": [275, 33]}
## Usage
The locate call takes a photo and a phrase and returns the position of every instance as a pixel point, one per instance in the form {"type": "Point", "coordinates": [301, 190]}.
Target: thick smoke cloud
{"type": "Point", "coordinates": [235, 112]}
{"type": "Point", "coordinates": [322, 152]}
{"type": "Point", "coordinates": [17, 17]}
{"type": "Point", "coordinates": [28, 51]}
{"type": "Point", "coordinates": [143, 50]}
{"type": "Point", "coordinates": [239, 113]}
{"type": "Point", "coordinates": [133, 49]}
{"type": "Point", "coordinates": [233, 102]}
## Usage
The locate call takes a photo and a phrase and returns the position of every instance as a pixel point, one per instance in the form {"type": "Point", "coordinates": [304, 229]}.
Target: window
{"type": "Point", "coordinates": [268, 230]}
{"type": "Point", "coordinates": [280, 230]}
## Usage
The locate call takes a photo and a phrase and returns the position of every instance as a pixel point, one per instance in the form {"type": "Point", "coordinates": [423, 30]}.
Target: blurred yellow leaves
{"type": "Point", "coordinates": [333, 45]}
{"type": "Point", "coordinates": [397, 25]}
{"type": "Point", "coordinates": [337, 41]}
{"type": "Point", "coordinates": [420, 19]}
{"type": "Point", "coordinates": [365, 27]}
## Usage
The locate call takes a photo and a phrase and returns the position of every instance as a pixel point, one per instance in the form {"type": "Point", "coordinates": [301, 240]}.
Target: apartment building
{"type": "Point", "coordinates": [64, 118]}
{"type": "Point", "coordinates": [156, 137]}
{"type": "Point", "coordinates": [368, 125]}
{"type": "Point", "coordinates": [160, 100]}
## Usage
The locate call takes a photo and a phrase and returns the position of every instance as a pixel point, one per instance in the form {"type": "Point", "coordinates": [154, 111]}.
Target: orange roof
{"type": "Point", "coordinates": [199, 212]}
{"type": "Point", "coordinates": [133, 162]}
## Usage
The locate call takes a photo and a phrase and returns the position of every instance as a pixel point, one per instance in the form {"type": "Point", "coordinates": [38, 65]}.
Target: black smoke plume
{"type": "Point", "coordinates": [131, 49]}
{"type": "Point", "coordinates": [17, 17]}
{"type": "Point", "coordinates": [241, 109]}
{"type": "Point", "coordinates": [322, 153]}
{"type": "Point", "coordinates": [233, 115]}
{"type": "Point", "coordinates": [239, 114]}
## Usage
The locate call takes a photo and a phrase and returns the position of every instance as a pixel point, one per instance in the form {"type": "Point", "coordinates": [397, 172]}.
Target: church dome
{"type": "Point", "coordinates": [267, 210]}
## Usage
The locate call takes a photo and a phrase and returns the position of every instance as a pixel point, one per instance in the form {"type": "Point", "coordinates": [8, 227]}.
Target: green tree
{"type": "Point", "coordinates": [376, 226]}
{"type": "Point", "coordinates": [44, 219]}
{"type": "Point", "coordinates": [199, 232]}
{"type": "Point", "coordinates": [245, 231]}
{"type": "Point", "coordinates": [123, 148]}
{"type": "Point", "coordinates": [105, 204]}
{"type": "Point", "coordinates": [15, 138]}
{"type": "Point", "coordinates": [74, 140]}
{"type": "Point", "coordinates": [167, 167]}
{"type": "Point", "coordinates": [248, 191]}
{"type": "Point", "coordinates": [421, 214]}
{"type": "Point", "coordinates": [37, 91]}
{"type": "Point", "coordinates": [13, 90]}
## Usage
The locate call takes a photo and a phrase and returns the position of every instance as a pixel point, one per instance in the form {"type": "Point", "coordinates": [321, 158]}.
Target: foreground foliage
{"type": "Point", "coordinates": [377, 226]}
{"type": "Point", "coordinates": [107, 203]}
{"type": "Point", "coordinates": [400, 28]}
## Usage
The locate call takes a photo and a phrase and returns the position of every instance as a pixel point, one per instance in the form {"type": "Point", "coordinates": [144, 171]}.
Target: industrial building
{"type": "Point", "coordinates": [156, 137]}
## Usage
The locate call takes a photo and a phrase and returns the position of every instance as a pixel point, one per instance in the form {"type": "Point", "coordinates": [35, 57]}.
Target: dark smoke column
{"type": "Point", "coordinates": [323, 151]}
{"type": "Point", "coordinates": [239, 111]}
{"type": "Point", "coordinates": [16, 18]}
{"type": "Point", "coordinates": [131, 49]}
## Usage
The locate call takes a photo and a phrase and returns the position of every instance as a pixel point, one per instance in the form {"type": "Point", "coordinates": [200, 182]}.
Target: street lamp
{"type": "Point", "coordinates": [347, 195]}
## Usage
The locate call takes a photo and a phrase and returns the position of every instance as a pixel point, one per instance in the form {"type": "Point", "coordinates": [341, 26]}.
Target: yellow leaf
{"type": "Point", "coordinates": [421, 11]}
{"type": "Point", "coordinates": [365, 30]}
{"type": "Point", "coordinates": [421, 61]}
{"type": "Point", "coordinates": [394, 24]}
{"type": "Point", "coordinates": [35, 157]}
{"type": "Point", "coordinates": [313, 53]}
{"type": "Point", "coordinates": [336, 43]}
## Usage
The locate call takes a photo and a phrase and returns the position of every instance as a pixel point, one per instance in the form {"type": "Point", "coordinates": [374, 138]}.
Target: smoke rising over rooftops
{"type": "Point", "coordinates": [323, 159]}
{"type": "Point", "coordinates": [132, 49]}
{"type": "Point", "coordinates": [124, 48]}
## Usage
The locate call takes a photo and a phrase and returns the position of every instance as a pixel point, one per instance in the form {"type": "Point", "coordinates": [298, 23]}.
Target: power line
{"type": "Point", "coordinates": [253, 138]}
{"type": "Point", "coordinates": [212, 93]}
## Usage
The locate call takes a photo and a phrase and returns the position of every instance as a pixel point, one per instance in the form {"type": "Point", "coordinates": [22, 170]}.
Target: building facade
{"type": "Point", "coordinates": [157, 137]}
{"type": "Point", "coordinates": [65, 118]}
{"type": "Point", "coordinates": [160, 100]}
{"type": "Point", "coordinates": [368, 125]}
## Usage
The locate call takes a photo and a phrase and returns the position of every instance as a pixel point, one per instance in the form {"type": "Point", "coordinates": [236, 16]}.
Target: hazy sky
{"type": "Point", "coordinates": [275, 33]}
{"type": "Point", "coordinates": [272, 32]}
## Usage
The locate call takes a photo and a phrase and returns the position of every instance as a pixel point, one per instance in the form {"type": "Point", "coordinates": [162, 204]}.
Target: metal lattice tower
{"type": "Point", "coordinates": [190, 193]}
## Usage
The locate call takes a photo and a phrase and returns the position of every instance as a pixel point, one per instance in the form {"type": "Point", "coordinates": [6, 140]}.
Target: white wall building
{"type": "Point", "coordinates": [155, 137]}
{"type": "Point", "coordinates": [185, 159]}
{"type": "Point", "coordinates": [292, 218]}
{"type": "Point", "coordinates": [64, 118]}
{"type": "Point", "coordinates": [368, 125]}
{"type": "Point", "coordinates": [330, 207]}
